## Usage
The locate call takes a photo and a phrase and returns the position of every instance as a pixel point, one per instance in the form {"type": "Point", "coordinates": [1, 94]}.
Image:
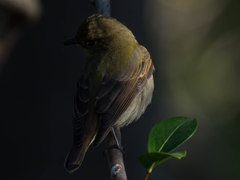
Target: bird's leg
{"type": "Point", "coordinates": [115, 137]}
{"type": "Point", "coordinates": [116, 145]}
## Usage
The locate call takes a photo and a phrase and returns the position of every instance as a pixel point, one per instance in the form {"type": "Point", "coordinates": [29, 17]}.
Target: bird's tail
{"type": "Point", "coordinates": [75, 157]}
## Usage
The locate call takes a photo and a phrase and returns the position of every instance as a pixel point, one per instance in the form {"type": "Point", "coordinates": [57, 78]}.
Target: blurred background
{"type": "Point", "coordinates": [196, 51]}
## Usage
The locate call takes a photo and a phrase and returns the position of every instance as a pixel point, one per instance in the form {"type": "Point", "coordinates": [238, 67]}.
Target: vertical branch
{"type": "Point", "coordinates": [103, 6]}
{"type": "Point", "coordinates": [114, 156]}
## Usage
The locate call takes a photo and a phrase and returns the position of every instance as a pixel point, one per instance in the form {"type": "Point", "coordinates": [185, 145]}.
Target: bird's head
{"type": "Point", "coordinates": [100, 33]}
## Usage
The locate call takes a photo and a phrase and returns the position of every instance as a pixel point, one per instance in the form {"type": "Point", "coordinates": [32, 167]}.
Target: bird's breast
{"type": "Point", "coordinates": [138, 105]}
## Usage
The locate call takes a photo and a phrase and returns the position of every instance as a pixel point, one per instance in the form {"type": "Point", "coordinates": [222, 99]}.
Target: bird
{"type": "Point", "coordinates": [115, 86]}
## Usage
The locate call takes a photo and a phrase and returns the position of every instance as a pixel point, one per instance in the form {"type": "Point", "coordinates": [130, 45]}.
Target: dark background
{"type": "Point", "coordinates": [38, 80]}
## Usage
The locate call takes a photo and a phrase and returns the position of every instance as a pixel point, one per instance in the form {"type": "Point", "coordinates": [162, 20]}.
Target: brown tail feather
{"type": "Point", "coordinates": [75, 157]}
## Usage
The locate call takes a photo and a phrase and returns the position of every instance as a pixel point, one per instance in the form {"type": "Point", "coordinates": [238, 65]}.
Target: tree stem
{"type": "Point", "coordinates": [147, 175]}
{"type": "Point", "coordinates": [115, 157]}
{"type": "Point", "coordinates": [103, 6]}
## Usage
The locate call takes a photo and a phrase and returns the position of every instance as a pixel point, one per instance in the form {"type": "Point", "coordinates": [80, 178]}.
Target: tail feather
{"type": "Point", "coordinates": [76, 155]}
{"type": "Point", "coordinates": [75, 158]}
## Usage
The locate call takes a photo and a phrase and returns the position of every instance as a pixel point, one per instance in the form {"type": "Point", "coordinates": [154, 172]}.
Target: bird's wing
{"type": "Point", "coordinates": [80, 142]}
{"type": "Point", "coordinates": [117, 91]}
{"type": "Point", "coordinates": [81, 103]}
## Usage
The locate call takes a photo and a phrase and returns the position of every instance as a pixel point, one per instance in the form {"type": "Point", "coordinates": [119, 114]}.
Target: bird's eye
{"type": "Point", "coordinates": [90, 43]}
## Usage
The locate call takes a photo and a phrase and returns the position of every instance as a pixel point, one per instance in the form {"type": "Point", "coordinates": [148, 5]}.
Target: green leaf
{"type": "Point", "coordinates": [170, 133]}
{"type": "Point", "coordinates": [151, 160]}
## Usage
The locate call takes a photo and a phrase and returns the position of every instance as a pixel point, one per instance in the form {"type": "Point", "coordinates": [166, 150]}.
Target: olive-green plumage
{"type": "Point", "coordinates": [115, 87]}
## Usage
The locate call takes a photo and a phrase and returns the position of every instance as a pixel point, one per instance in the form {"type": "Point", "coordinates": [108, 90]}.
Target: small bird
{"type": "Point", "coordinates": [115, 87]}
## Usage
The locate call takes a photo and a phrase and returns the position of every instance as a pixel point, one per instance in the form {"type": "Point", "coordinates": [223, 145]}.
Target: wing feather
{"type": "Point", "coordinates": [130, 81]}
{"type": "Point", "coordinates": [81, 109]}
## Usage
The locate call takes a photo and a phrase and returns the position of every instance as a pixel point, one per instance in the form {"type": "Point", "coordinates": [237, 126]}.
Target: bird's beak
{"type": "Point", "coordinates": [70, 42]}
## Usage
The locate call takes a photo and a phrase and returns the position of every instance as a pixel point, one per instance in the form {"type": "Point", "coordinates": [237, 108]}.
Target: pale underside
{"type": "Point", "coordinates": [137, 106]}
